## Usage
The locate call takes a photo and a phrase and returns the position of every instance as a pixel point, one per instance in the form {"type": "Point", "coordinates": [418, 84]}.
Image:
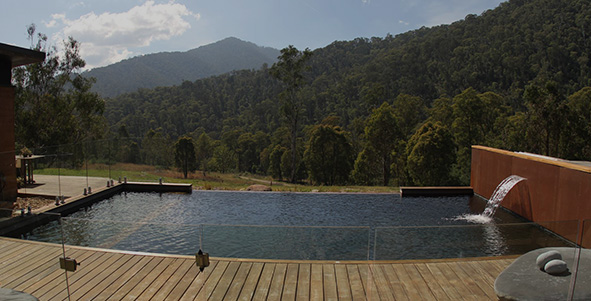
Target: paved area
{"type": "Point", "coordinates": [67, 186]}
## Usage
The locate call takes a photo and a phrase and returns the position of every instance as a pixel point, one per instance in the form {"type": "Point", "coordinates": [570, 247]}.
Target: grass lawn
{"type": "Point", "coordinates": [209, 181]}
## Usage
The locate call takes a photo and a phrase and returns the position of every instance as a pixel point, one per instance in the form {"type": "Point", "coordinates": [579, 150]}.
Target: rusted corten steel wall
{"type": "Point", "coordinates": [556, 194]}
{"type": "Point", "coordinates": [7, 161]}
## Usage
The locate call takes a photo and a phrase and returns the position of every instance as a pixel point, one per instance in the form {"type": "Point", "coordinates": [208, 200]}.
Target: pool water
{"type": "Point", "coordinates": [315, 226]}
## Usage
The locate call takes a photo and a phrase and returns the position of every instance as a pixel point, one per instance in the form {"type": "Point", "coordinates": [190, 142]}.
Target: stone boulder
{"type": "Point", "coordinates": [259, 187]}
{"type": "Point", "coordinates": [523, 280]}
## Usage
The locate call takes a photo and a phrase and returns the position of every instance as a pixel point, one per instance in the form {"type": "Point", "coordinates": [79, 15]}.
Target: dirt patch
{"type": "Point", "coordinates": [34, 202]}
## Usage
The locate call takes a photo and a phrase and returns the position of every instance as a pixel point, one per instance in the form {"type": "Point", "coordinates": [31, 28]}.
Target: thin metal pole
{"type": "Point", "coordinates": [64, 253]}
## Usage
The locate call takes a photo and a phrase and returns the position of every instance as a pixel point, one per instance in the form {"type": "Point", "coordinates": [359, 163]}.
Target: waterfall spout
{"type": "Point", "coordinates": [499, 194]}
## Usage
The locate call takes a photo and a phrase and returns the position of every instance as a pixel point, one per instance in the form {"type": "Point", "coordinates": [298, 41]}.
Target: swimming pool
{"type": "Point", "coordinates": [316, 226]}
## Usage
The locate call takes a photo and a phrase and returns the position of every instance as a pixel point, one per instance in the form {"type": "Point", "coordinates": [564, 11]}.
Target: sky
{"type": "Point", "coordinates": [112, 30]}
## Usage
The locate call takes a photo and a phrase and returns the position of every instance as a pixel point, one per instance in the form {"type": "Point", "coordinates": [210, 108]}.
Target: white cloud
{"type": "Point", "coordinates": [107, 38]}
{"type": "Point", "coordinates": [403, 22]}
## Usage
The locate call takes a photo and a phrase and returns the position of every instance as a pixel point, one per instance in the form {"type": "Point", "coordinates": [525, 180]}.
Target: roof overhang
{"type": "Point", "coordinates": [19, 56]}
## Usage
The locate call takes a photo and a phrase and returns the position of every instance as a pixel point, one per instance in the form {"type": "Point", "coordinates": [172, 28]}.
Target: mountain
{"type": "Point", "coordinates": [503, 50]}
{"type": "Point", "coordinates": [172, 68]}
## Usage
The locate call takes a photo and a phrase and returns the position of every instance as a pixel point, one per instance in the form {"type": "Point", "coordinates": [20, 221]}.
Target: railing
{"type": "Point", "coordinates": [302, 243]}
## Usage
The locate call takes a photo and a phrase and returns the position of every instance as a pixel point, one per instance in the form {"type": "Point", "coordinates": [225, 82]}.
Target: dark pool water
{"type": "Point", "coordinates": [292, 226]}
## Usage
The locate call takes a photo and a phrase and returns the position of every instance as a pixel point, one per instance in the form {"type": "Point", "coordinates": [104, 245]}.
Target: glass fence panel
{"type": "Point", "coordinates": [580, 287]}
{"type": "Point", "coordinates": [278, 242]}
{"type": "Point", "coordinates": [179, 239]}
{"type": "Point", "coordinates": [458, 241]}
{"type": "Point", "coordinates": [28, 267]}
{"type": "Point", "coordinates": [511, 251]}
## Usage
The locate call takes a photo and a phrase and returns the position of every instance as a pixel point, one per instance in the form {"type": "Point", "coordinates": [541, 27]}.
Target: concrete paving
{"type": "Point", "coordinates": [67, 186]}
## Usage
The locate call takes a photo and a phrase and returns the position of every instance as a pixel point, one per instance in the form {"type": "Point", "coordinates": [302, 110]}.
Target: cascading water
{"type": "Point", "coordinates": [499, 194]}
{"type": "Point", "coordinates": [493, 203]}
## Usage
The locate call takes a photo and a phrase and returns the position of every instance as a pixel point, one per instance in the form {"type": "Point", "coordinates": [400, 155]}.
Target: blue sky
{"type": "Point", "coordinates": [112, 30]}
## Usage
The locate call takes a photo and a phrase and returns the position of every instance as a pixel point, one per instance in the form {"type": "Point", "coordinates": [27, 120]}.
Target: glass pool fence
{"type": "Point", "coordinates": [376, 246]}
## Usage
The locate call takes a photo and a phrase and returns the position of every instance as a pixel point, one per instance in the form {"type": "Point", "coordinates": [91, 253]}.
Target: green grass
{"type": "Point", "coordinates": [212, 180]}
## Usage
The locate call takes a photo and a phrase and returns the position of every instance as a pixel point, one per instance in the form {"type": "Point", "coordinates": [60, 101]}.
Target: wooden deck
{"type": "Point", "coordinates": [33, 267]}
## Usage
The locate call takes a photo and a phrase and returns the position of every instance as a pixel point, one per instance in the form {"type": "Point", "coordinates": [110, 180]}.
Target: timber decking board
{"type": "Point", "coordinates": [104, 274]}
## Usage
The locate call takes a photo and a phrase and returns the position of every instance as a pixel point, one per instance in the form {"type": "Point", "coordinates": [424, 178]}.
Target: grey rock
{"type": "Point", "coordinates": [555, 267]}
{"type": "Point", "coordinates": [545, 257]}
{"type": "Point", "coordinates": [522, 280]}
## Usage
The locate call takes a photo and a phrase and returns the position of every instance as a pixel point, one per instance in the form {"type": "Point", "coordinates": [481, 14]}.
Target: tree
{"type": "Point", "coordinates": [410, 112]}
{"type": "Point", "coordinates": [382, 135]}
{"type": "Point", "coordinates": [184, 155]}
{"type": "Point", "coordinates": [366, 169]}
{"type": "Point", "coordinates": [546, 117]}
{"type": "Point", "coordinates": [431, 155]}
{"type": "Point", "coordinates": [467, 128]}
{"type": "Point", "coordinates": [275, 162]}
{"type": "Point", "coordinates": [204, 151]}
{"type": "Point", "coordinates": [328, 155]}
{"type": "Point", "coordinates": [579, 104]}
{"type": "Point", "coordinates": [53, 102]}
{"type": "Point", "coordinates": [289, 70]}
{"type": "Point", "coordinates": [223, 159]}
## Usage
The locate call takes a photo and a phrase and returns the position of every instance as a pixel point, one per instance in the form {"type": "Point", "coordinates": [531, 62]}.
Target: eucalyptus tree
{"type": "Point", "coordinates": [53, 102]}
{"type": "Point", "coordinates": [329, 155]}
{"type": "Point", "coordinates": [184, 155]}
{"type": "Point", "coordinates": [290, 71]}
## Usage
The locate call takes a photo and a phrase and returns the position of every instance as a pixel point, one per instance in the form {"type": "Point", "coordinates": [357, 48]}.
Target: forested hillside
{"type": "Point", "coordinates": [513, 77]}
{"type": "Point", "coordinates": [172, 68]}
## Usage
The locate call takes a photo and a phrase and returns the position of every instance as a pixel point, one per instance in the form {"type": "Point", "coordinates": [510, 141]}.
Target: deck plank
{"type": "Point", "coordinates": [114, 275]}
{"type": "Point", "coordinates": [212, 281]}
{"type": "Point", "coordinates": [381, 281]}
{"type": "Point", "coordinates": [368, 282]}
{"type": "Point", "coordinates": [225, 281]}
{"type": "Point", "coordinates": [239, 281]}
{"type": "Point", "coordinates": [251, 282]}
{"type": "Point", "coordinates": [184, 283]}
{"type": "Point", "coordinates": [53, 276]}
{"type": "Point", "coordinates": [408, 283]}
{"type": "Point", "coordinates": [136, 278]}
{"type": "Point", "coordinates": [291, 282]}
{"type": "Point", "coordinates": [316, 282]}
{"type": "Point", "coordinates": [27, 258]}
{"type": "Point", "coordinates": [174, 279]}
{"type": "Point", "coordinates": [109, 285]}
{"type": "Point", "coordinates": [262, 289]}
{"type": "Point", "coordinates": [276, 287]}
{"type": "Point", "coordinates": [112, 264]}
{"type": "Point", "coordinates": [303, 292]}
{"type": "Point", "coordinates": [467, 280]}
{"type": "Point", "coordinates": [78, 280]}
{"type": "Point", "coordinates": [419, 282]}
{"type": "Point", "coordinates": [357, 291]}
{"type": "Point", "coordinates": [49, 292]}
{"type": "Point", "coordinates": [343, 284]}
{"type": "Point", "coordinates": [330, 282]}
{"type": "Point", "coordinates": [439, 279]}
{"type": "Point", "coordinates": [199, 281]}
{"type": "Point", "coordinates": [396, 284]}
{"type": "Point", "coordinates": [34, 268]}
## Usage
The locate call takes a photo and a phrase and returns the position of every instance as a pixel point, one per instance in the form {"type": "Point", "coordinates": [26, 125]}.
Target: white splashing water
{"type": "Point", "coordinates": [474, 218]}
{"type": "Point", "coordinates": [493, 203]}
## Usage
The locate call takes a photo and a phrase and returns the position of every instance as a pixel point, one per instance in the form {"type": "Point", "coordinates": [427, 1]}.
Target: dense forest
{"type": "Point", "coordinates": [408, 105]}
{"type": "Point", "coordinates": [397, 110]}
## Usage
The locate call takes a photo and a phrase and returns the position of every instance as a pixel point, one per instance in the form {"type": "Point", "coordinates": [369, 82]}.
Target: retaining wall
{"type": "Point", "coordinates": [555, 190]}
